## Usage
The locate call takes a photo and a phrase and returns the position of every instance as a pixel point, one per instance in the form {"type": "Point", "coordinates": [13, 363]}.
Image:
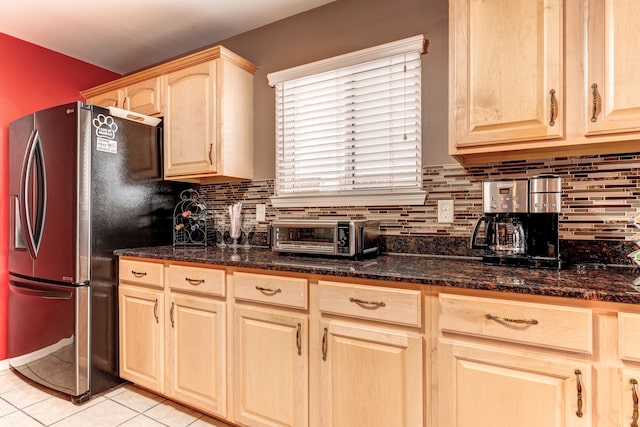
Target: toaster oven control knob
{"type": "Point", "coordinates": [343, 239]}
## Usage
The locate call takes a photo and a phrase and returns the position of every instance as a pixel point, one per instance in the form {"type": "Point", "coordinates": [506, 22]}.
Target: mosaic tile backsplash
{"type": "Point", "coordinates": [600, 198]}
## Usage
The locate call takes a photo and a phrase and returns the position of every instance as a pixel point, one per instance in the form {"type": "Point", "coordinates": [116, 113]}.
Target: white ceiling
{"type": "Point", "coordinates": [127, 35]}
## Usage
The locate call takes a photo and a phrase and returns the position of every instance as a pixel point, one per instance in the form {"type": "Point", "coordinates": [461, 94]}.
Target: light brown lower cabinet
{"type": "Point", "coordinates": [270, 350]}
{"type": "Point", "coordinates": [505, 362]}
{"type": "Point", "coordinates": [173, 332]}
{"type": "Point", "coordinates": [485, 386]}
{"type": "Point", "coordinates": [271, 367]}
{"type": "Point", "coordinates": [371, 367]}
{"type": "Point", "coordinates": [289, 350]}
{"type": "Point", "coordinates": [627, 406]}
{"type": "Point", "coordinates": [196, 360]}
{"type": "Point", "coordinates": [370, 376]}
{"type": "Point", "coordinates": [628, 375]}
{"type": "Point", "coordinates": [142, 336]}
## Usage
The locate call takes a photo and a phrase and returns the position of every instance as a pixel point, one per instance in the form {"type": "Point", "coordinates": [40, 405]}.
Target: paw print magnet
{"type": "Point", "coordinates": [106, 130]}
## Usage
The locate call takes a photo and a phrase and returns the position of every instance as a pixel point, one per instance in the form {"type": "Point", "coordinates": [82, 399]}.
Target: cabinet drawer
{"type": "Point", "coordinates": [265, 288]}
{"type": "Point", "coordinates": [628, 343]}
{"type": "Point", "coordinates": [371, 302]}
{"type": "Point", "coordinates": [141, 272]}
{"type": "Point", "coordinates": [564, 328]}
{"type": "Point", "coordinates": [196, 279]}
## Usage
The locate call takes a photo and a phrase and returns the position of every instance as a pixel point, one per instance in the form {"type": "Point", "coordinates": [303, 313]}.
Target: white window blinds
{"type": "Point", "coordinates": [351, 130]}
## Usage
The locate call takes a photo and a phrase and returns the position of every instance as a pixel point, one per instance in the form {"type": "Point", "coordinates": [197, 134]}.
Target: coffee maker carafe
{"type": "Point", "coordinates": [520, 222]}
{"type": "Point", "coordinates": [502, 230]}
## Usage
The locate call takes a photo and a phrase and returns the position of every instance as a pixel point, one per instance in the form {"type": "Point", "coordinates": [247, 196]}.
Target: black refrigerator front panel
{"type": "Point", "coordinates": [130, 203]}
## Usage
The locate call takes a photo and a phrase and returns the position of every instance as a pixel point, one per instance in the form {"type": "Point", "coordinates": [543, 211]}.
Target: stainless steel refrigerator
{"type": "Point", "coordinates": [82, 183]}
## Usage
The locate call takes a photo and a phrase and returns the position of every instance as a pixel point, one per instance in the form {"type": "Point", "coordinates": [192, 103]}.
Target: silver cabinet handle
{"type": "Point", "coordinates": [324, 344]}
{"type": "Point", "coordinates": [269, 291]}
{"type": "Point", "coordinates": [594, 102]}
{"type": "Point", "coordinates": [299, 339]}
{"type": "Point", "coordinates": [155, 311]}
{"type": "Point", "coordinates": [554, 107]}
{"type": "Point", "coordinates": [372, 305]}
{"type": "Point", "coordinates": [194, 282]}
{"type": "Point", "coordinates": [171, 315]}
{"type": "Point", "coordinates": [634, 397]}
{"type": "Point", "coordinates": [508, 320]}
{"type": "Point", "coordinates": [578, 374]}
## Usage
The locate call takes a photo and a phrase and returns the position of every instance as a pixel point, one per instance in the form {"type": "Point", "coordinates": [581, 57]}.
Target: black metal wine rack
{"type": "Point", "coordinates": [190, 218]}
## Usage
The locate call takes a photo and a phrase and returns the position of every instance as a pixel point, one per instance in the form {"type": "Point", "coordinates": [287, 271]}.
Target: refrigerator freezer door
{"type": "Point", "coordinates": [49, 341]}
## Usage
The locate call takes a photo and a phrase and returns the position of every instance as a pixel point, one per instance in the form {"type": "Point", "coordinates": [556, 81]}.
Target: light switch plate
{"type": "Point", "coordinates": [261, 213]}
{"type": "Point", "coordinates": [445, 210]}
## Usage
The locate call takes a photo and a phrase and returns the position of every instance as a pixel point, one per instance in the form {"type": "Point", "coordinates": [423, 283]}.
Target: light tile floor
{"type": "Point", "coordinates": [26, 404]}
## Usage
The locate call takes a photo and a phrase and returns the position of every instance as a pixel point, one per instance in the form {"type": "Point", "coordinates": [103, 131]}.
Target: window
{"type": "Point", "coordinates": [348, 129]}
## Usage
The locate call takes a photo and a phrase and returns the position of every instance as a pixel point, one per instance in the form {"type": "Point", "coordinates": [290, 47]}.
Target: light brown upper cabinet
{"type": "Point", "coordinates": [613, 62]}
{"type": "Point", "coordinates": [209, 122]}
{"type": "Point", "coordinates": [112, 98]}
{"type": "Point", "coordinates": [520, 87]}
{"type": "Point", "coordinates": [507, 71]}
{"type": "Point", "coordinates": [206, 100]}
{"type": "Point", "coordinates": [143, 97]}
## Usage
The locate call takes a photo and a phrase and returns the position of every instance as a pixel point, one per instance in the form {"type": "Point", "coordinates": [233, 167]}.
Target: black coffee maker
{"type": "Point", "coordinates": [544, 219]}
{"type": "Point", "coordinates": [520, 222]}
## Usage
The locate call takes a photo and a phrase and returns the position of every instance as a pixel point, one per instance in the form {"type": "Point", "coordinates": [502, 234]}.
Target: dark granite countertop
{"type": "Point", "coordinates": [613, 284]}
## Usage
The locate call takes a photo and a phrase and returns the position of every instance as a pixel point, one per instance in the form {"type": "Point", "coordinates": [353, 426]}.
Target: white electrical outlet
{"type": "Point", "coordinates": [445, 210]}
{"type": "Point", "coordinates": [261, 212]}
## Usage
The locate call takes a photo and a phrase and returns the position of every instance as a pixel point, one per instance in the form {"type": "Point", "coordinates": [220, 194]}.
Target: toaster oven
{"type": "Point", "coordinates": [341, 238]}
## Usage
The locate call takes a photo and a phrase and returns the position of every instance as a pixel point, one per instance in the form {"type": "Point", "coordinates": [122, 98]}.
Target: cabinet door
{"type": "Point", "coordinates": [506, 63]}
{"type": "Point", "coordinates": [271, 367]}
{"type": "Point", "coordinates": [483, 386]}
{"type": "Point", "coordinates": [114, 98]}
{"type": "Point", "coordinates": [196, 360]}
{"type": "Point", "coordinates": [142, 336]}
{"type": "Point", "coordinates": [613, 63]}
{"type": "Point", "coordinates": [189, 128]}
{"type": "Point", "coordinates": [144, 97]}
{"type": "Point", "coordinates": [370, 376]}
{"type": "Point", "coordinates": [628, 404]}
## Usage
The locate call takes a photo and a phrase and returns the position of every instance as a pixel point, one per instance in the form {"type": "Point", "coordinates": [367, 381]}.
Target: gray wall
{"type": "Point", "coordinates": [341, 27]}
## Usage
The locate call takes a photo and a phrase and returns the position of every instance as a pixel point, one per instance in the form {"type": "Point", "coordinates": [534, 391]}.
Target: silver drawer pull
{"type": "Point", "coordinates": [371, 305]}
{"type": "Point", "coordinates": [138, 274]}
{"type": "Point", "coordinates": [507, 320]}
{"type": "Point", "coordinates": [194, 282]}
{"type": "Point", "coordinates": [268, 291]}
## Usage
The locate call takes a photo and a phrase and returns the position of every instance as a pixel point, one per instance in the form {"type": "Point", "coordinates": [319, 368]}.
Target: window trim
{"type": "Point", "coordinates": [410, 44]}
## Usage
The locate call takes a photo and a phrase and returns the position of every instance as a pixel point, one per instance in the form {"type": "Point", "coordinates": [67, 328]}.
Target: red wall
{"type": "Point", "coordinates": [32, 78]}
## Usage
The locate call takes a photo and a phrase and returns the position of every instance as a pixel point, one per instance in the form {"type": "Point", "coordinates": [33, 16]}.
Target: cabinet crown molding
{"type": "Point", "coordinates": [172, 65]}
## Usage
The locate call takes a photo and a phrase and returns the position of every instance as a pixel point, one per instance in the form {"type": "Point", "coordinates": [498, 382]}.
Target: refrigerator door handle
{"type": "Point", "coordinates": [34, 291]}
{"type": "Point", "coordinates": [33, 191]}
